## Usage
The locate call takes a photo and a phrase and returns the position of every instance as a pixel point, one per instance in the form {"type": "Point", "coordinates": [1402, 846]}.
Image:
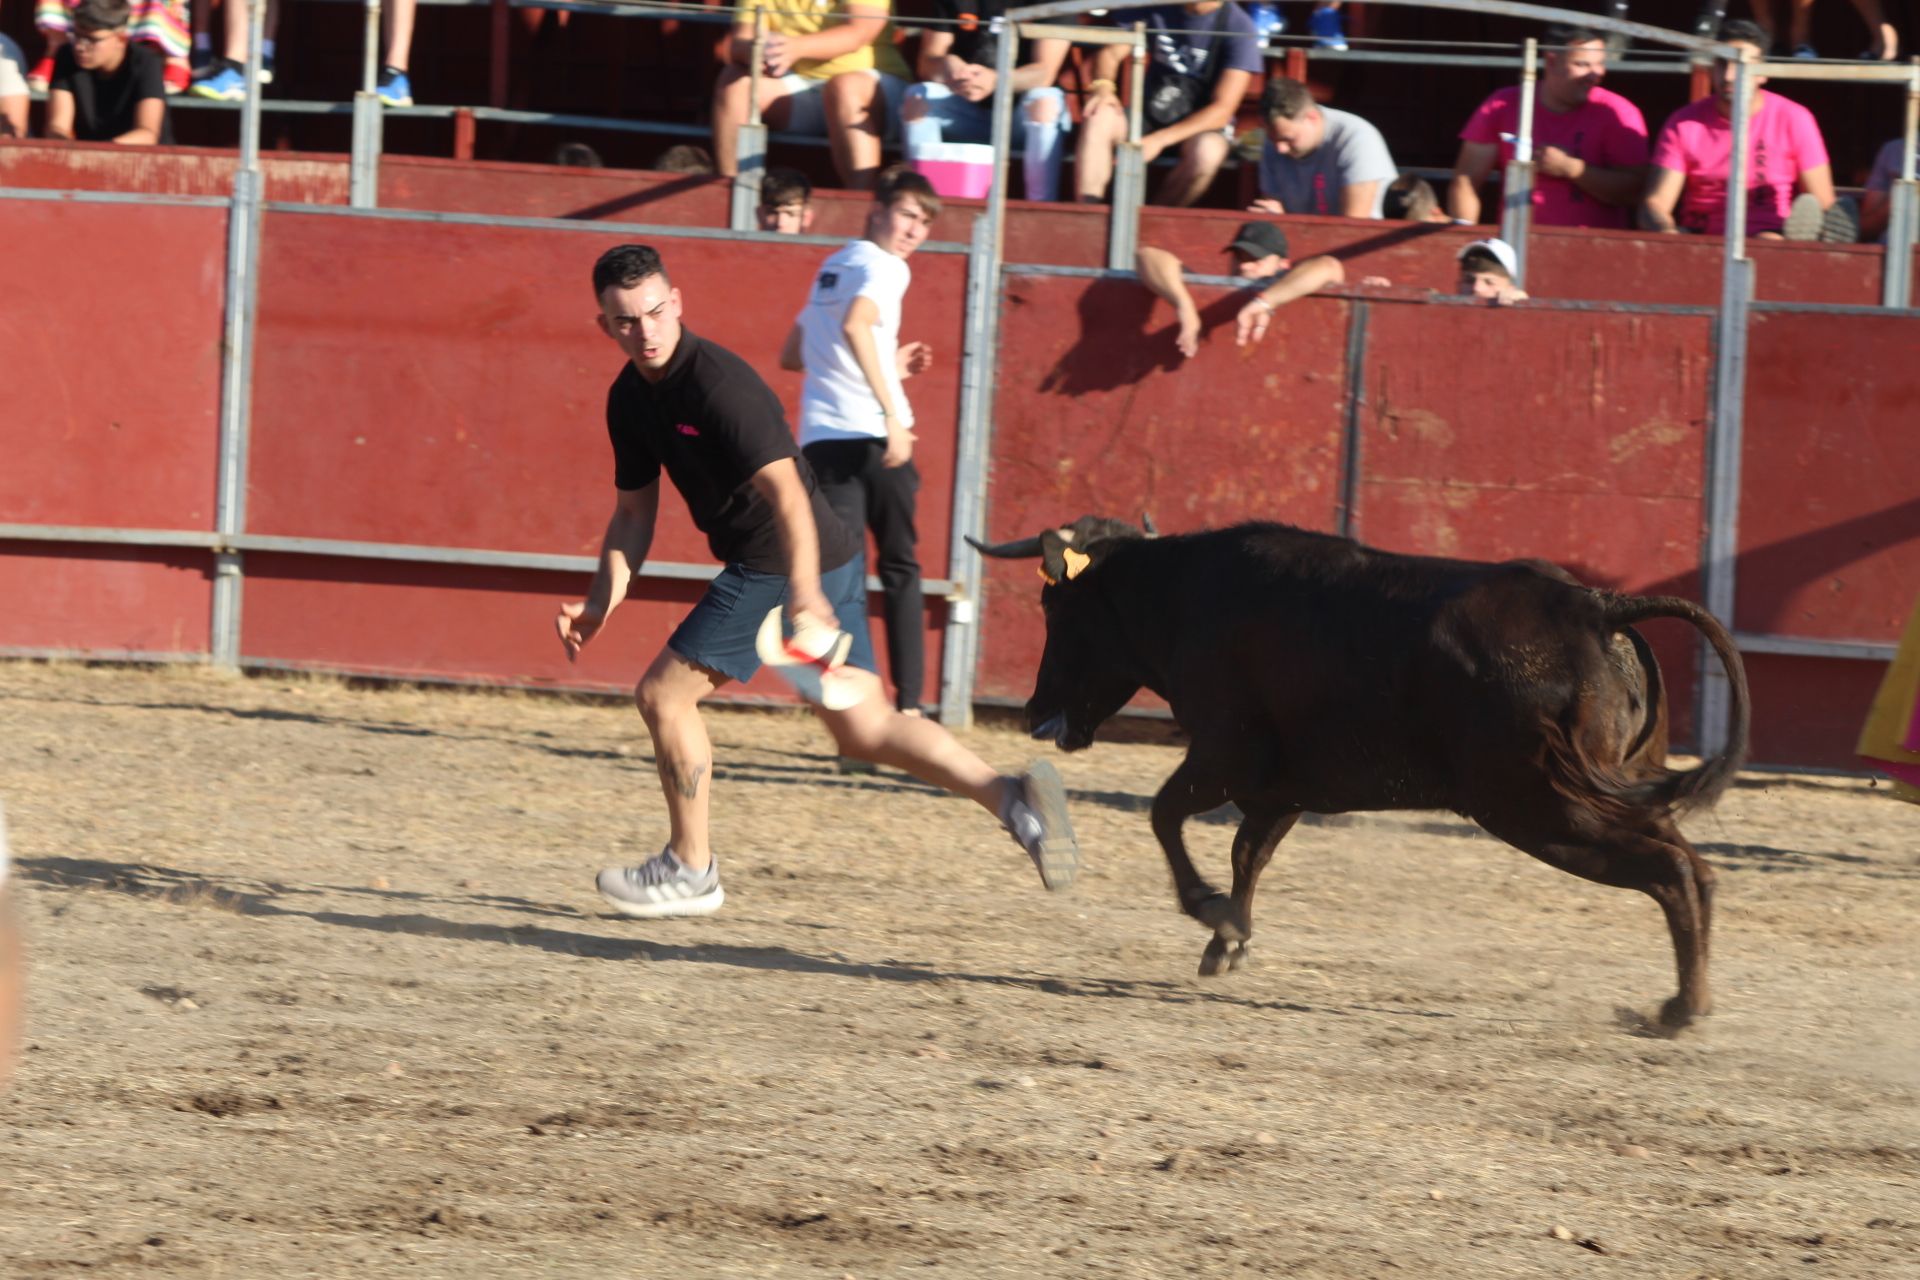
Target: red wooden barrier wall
{"type": "Point", "coordinates": [1829, 515]}
{"type": "Point", "coordinates": [450, 383]}
{"type": "Point", "coordinates": [112, 329]}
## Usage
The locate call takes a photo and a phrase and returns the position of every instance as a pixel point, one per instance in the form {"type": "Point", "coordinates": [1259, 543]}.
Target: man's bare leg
{"type": "Point", "coordinates": [669, 697]}
{"type": "Point", "coordinates": [1200, 159]}
{"type": "Point", "coordinates": [873, 730]}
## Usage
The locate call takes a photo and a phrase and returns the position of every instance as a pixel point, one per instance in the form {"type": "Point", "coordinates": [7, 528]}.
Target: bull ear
{"type": "Point", "coordinates": [1146, 522]}
{"type": "Point", "coordinates": [1053, 554]}
{"type": "Point", "coordinates": [1075, 562]}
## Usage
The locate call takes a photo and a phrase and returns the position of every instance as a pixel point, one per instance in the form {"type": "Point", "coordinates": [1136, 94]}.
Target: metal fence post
{"type": "Point", "coordinates": [1903, 211]}
{"type": "Point", "coordinates": [960, 643]}
{"type": "Point", "coordinates": [1516, 209]}
{"type": "Point", "coordinates": [750, 148]}
{"type": "Point", "coordinates": [1724, 443]}
{"type": "Point", "coordinates": [363, 173]}
{"type": "Point", "coordinates": [236, 360]}
{"type": "Point", "coordinates": [1129, 168]}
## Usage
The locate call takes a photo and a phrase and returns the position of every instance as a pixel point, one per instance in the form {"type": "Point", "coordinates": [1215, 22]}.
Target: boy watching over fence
{"type": "Point", "coordinates": [786, 202]}
{"type": "Point", "coordinates": [106, 89]}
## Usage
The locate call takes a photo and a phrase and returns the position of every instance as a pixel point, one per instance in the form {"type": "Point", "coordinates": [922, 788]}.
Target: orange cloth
{"type": "Point", "coordinates": [1890, 740]}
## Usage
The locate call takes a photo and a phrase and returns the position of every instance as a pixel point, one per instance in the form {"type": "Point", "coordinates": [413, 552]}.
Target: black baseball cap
{"type": "Point", "coordinates": [1258, 239]}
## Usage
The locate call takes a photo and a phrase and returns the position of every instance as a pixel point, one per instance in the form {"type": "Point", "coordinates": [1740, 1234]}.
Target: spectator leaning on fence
{"type": "Point", "coordinates": [954, 100]}
{"type": "Point", "coordinates": [1692, 158]}
{"type": "Point", "coordinates": [1260, 259]}
{"type": "Point", "coordinates": [786, 202]}
{"type": "Point", "coordinates": [106, 89]}
{"type": "Point", "coordinates": [13, 90]}
{"type": "Point", "coordinates": [160, 23]}
{"type": "Point", "coordinates": [1589, 143]}
{"type": "Point", "coordinates": [829, 69]}
{"type": "Point", "coordinates": [1200, 60]}
{"type": "Point", "coordinates": [1319, 160]}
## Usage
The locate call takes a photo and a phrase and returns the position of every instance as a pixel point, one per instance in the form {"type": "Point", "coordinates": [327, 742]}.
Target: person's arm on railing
{"type": "Point", "coordinates": [1160, 271]}
{"type": "Point", "coordinates": [1470, 171]}
{"type": "Point", "coordinates": [1307, 277]}
{"type": "Point", "coordinates": [1216, 115]}
{"type": "Point", "coordinates": [1663, 195]}
{"type": "Point", "coordinates": [148, 115]}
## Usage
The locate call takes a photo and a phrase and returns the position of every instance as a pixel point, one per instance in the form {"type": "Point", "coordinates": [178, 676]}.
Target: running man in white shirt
{"type": "Point", "coordinates": [856, 427]}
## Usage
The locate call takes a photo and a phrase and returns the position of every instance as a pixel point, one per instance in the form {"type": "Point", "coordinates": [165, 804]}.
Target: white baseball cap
{"type": "Point", "coordinates": [1502, 253]}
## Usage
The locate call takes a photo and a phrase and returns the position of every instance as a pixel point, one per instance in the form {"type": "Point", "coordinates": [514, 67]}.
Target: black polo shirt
{"type": "Point", "coordinates": [712, 422]}
{"type": "Point", "coordinates": [106, 106]}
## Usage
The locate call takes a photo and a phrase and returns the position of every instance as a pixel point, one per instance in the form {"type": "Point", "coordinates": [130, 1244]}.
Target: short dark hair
{"type": "Point", "coordinates": [898, 182]}
{"type": "Point", "coordinates": [1408, 198]}
{"type": "Point", "coordinates": [1562, 34]}
{"type": "Point", "coordinates": [685, 157]}
{"type": "Point", "coordinates": [102, 15]}
{"type": "Point", "coordinates": [1288, 99]}
{"type": "Point", "coordinates": [1739, 29]}
{"type": "Point", "coordinates": [1474, 261]}
{"type": "Point", "coordinates": [784, 186]}
{"type": "Point", "coordinates": [626, 265]}
{"type": "Point", "coordinates": [576, 155]}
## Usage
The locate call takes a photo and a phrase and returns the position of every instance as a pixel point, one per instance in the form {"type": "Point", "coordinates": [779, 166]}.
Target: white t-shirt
{"type": "Point", "coordinates": [836, 403]}
{"type": "Point", "coordinates": [13, 70]}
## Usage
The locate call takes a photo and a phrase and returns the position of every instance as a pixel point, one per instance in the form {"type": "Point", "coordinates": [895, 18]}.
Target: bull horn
{"type": "Point", "coordinates": [1146, 522]}
{"type": "Point", "coordinates": [1020, 549]}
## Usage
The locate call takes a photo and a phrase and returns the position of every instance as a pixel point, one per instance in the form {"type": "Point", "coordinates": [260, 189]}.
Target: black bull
{"type": "Point", "coordinates": [1316, 675]}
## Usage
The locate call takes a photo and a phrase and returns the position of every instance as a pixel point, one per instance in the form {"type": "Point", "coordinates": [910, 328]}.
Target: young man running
{"type": "Point", "coordinates": [691, 408]}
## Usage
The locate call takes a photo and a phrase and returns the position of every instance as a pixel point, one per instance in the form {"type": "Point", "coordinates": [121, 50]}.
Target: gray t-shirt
{"type": "Point", "coordinates": [1351, 151]}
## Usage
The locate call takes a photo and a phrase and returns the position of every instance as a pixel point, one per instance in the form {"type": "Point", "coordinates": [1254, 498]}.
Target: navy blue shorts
{"type": "Point", "coordinates": [719, 634]}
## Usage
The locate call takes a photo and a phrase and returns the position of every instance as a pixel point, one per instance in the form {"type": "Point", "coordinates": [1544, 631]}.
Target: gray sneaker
{"type": "Point", "coordinates": [1036, 816]}
{"type": "Point", "coordinates": [662, 886]}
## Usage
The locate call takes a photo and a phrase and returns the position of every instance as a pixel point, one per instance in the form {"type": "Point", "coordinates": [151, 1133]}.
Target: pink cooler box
{"type": "Point", "coordinates": [962, 169]}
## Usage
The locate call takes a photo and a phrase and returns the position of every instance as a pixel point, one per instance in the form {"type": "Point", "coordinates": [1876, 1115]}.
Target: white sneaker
{"type": "Point", "coordinates": [1036, 817]}
{"type": "Point", "coordinates": [662, 886]}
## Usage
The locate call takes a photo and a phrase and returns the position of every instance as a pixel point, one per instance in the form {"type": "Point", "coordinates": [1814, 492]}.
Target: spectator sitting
{"type": "Point", "coordinates": [1590, 144]}
{"type": "Point", "coordinates": [106, 89]}
{"type": "Point", "coordinates": [1194, 84]}
{"type": "Point", "coordinates": [1259, 252]}
{"type": "Point", "coordinates": [577, 155]}
{"type": "Point", "coordinates": [831, 69]}
{"type": "Point", "coordinates": [1693, 155]}
{"type": "Point", "coordinates": [786, 202]}
{"type": "Point", "coordinates": [1321, 160]}
{"type": "Point", "coordinates": [13, 90]}
{"type": "Point", "coordinates": [684, 158]}
{"type": "Point", "coordinates": [225, 78]}
{"type": "Point", "coordinates": [953, 101]}
{"type": "Point", "coordinates": [1411, 198]}
{"type": "Point", "coordinates": [1876, 206]}
{"type": "Point", "coordinates": [1885, 46]}
{"type": "Point", "coordinates": [160, 23]}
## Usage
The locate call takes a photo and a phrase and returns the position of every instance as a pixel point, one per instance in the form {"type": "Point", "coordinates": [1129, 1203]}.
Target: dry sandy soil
{"type": "Point", "coordinates": [319, 987]}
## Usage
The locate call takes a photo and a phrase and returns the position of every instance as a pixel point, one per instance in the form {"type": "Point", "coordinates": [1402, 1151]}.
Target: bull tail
{"type": "Point", "coordinates": [1698, 787]}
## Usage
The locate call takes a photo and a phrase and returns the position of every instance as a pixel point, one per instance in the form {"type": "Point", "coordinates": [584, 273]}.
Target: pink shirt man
{"type": "Point", "coordinates": [1606, 131]}
{"type": "Point", "coordinates": [1697, 142]}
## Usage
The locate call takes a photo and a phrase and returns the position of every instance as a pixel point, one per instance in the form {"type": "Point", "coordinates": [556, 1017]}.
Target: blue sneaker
{"type": "Point", "coordinates": [226, 83]}
{"type": "Point", "coordinates": [394, 89]}
{"type": "Point", "coordinates": [1268, 21]}
{"type": "Point", "coordinates": [1326, 29]}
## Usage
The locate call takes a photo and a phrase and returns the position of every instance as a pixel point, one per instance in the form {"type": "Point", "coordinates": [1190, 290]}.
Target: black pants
{"type": "Point", "coordinates": [866, 495]}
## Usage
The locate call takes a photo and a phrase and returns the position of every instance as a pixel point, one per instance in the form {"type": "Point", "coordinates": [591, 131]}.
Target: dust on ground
{"type": "Point", "coordinates": [320, 987]}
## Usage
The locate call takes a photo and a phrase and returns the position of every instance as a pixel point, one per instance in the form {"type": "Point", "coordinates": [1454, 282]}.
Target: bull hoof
{"type": "Point", "coordinates": [1676, 1014]}
{"type": "Point", "coordinates": [1216, 912]}
{"type": "Point", "coordinates": [1213, 957]}
{"type": "Point", "coordinates": [1237, 958]}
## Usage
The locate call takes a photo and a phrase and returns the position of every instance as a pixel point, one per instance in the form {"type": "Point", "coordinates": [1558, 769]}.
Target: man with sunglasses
{"type": "Point", "coordinates": [105, 89]}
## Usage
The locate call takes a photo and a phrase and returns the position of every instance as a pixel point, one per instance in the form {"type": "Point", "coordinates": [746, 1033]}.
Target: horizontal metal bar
{"type": "Point", "coordinates": [1858, 72]}
{"type": "Point", "coordinates": [348, 549]}
{"type": "Point", "coordinates": [1834, 309]}
{"type": "Point", "coordinates": [1495, 61]}
{"type": "Point", "coordinates": [1799, 647]}
{"type": "Point", "coordinates": [1081, 35]}
{"type": "Point", "coordinates": [573, 224]}
{"type": "Point", "coordinates": [114, 197]}
{"type": "Point", "coordinates": [151, 656]}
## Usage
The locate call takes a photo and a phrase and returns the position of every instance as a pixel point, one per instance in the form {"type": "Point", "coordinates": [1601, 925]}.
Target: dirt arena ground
{"type": "Point", "coordinates": [319, 987]}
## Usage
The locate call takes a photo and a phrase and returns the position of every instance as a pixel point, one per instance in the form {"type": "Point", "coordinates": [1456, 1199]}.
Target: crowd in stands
{"type": "Point", "coordinates": [836, 69]}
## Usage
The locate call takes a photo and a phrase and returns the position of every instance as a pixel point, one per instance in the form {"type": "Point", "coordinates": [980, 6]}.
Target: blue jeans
{"type": "Point", "coordinates": [951, 118]}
